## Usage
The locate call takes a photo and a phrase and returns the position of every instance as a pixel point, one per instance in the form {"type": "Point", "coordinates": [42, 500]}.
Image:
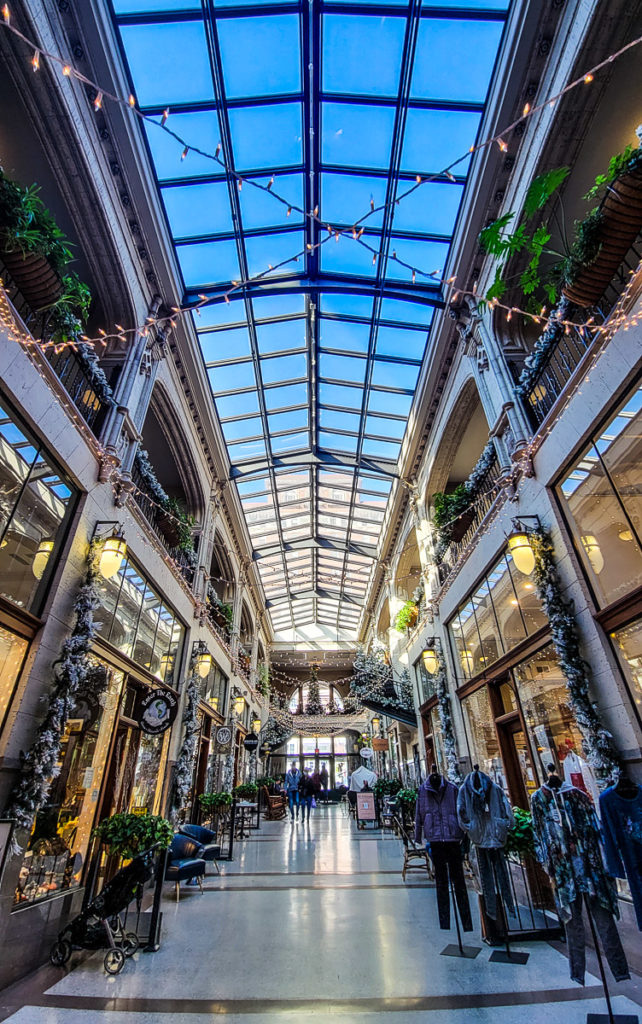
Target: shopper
{"type": "Point", "coordinates": [325, 778]}
{"type": "Point", "coordinates": [307, 792]}
{"type": "Point", "coordinates": [292, 782]}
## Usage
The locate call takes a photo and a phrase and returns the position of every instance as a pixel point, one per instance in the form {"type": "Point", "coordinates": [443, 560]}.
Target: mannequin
{"type": "Point", "coordinates": [579, 773]}
{"type": "Point", "coordinates": [568, 844]}
{"type": "Point", "coordinates": [436, 819]}
{"type": "Point", "coordinates": [486, 816]}
{"type": "Point", "coordinates": [621, 808]}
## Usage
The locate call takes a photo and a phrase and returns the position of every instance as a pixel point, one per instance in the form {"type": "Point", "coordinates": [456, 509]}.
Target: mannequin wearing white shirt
{"type": "Point", "coordinates": [575, 765]}
{"type": "Point", "coordinates": [360, 777]}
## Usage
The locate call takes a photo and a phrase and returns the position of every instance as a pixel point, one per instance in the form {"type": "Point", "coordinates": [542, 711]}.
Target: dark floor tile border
{"type": "Point", "coordinates": [296, 874]}
{"type": "Point", "coordinates": [318, 888]}
{"type": "Point", "coordinates": [356, 1006]}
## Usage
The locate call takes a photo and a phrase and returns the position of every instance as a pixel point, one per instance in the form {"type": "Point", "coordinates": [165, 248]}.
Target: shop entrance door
{"type": "Point", "coordinates": [520, 774]}
{"type": "Point", "coordinates": [122, 769]}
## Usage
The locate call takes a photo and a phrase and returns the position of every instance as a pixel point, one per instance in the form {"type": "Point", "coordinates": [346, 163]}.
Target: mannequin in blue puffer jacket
{"type": "Point", "coordinates": [486, 816]}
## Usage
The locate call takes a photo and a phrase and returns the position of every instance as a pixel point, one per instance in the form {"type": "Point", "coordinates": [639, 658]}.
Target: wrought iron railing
{"type": "Point", "coordinates": [156, 517]}
{"type": "Point", "coordinates": [487, 491]}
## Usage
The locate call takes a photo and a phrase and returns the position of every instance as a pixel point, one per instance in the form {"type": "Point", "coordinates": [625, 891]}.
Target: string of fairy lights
{"type": "Point", "coordinates": [355, 232]}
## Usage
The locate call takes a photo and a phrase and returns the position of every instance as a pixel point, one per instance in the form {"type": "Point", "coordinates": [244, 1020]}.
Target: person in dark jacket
{"type": "Point", "coordinates": [436, 818]}
{"type": "Point", "coordinates": [307, 792]}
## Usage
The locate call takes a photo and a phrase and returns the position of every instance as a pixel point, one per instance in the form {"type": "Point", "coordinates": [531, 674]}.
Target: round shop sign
{"type": "Point", "coordinates": [367, 753]}
{"type": "Point", "coordinates": [157, 711]}
{"type": "Point", "coordinates": [224, 735]}
{"type": "Point", "coordinates": [251, 742]}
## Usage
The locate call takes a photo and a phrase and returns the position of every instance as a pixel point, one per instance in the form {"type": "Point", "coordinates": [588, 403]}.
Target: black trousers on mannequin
{"type": "Point", "coordinates": [447, 860]}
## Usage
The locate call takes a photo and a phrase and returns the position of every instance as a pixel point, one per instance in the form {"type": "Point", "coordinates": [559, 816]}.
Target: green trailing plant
{"type": "Point", "coordinates": [27, 226]}
{"type": "Point", "coordinates": [214, 801]}
{"type": "Point", "coordinates": [246, 791]}
{"type": "Point", "coordinates": [406, 616]}
{"type": "Point", "coordinates": [628, 160]}
{"type": "Point", "coordinates": [265, 780]}
{"type": "Point", "coordinates": [520, 841]}
{"type": "Point", "coordinates": [448, 507]}
{"type": "Point", "coordinates": [407, 798]}
{"type": "Point", "coordinates": [127, 835]}
{"type": "Point", "coordinates": [263, 678]}
{"type": "Point", "coordinates": [386, 787]}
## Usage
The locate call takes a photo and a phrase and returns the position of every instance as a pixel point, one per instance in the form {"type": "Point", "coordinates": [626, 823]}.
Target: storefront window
{"type": "Point", "coordinates": [148, 777]}
{"type": "Point", "coordinates": [340, 745]}
{"type": "Point", "coordinates": [628, 644]}
{"type": "Point", "coordinates": [497, 616]}
{"type": "Point", "coordinates": [59, 841]}
{"type": "Point", "coordinates": [139, 624]}
{"type": "Point", "coordinates": [36, 504]}
{"type": "Point", "coordinates": [293, 745]}
{"type": "Point", "coordinates": [545, 704]}
{"type": "Point", "coordinates": [12, 652]}
{"type": "Point", "coordinates": [213, 688]}
{"type": "Point", "coordinates": [602, 498]}
{"type": "Point", "coordinates": [482, 736]}
{"type": "Point", "coordinates": [438, 741]}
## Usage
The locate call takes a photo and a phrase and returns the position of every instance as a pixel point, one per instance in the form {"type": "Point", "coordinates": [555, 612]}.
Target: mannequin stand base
{"type": "Point", "coordinates": [618, 1018]}
{"type": "Point", "coordinates": [500, 956]}
{"type": "Point", "coordinates": [468, 952]}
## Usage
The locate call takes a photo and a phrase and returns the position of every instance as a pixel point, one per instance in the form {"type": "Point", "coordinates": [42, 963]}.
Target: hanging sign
{"type": "Point", "coordinates": [380, 743]}
{"type": "Point", "coordinates": [251, 742]}
{"type": "Point", "coordinates": [223, 740]}
{"type": "Point", "coordinates": [156, 711]}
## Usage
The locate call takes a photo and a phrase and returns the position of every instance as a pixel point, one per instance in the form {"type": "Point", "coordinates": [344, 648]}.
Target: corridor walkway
{"type": "Point", "coordinates": [310, 921]}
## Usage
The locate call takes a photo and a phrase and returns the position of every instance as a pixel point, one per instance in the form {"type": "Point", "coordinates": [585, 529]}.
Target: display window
{"type": "Point", "coordinates": [37, 502]}
{"type": "Point", "coordinates": [601, 499]}
{"type": "Point", "coordinates": [628, 645]}
{"type": "Point", "coordinates": [139, 624]}
{"type": "Point", "coordinates": [500, 614]}
{"type": "Point", "coordinates": [13, 650]}
{"type": "Point", "coordinates": [59, 841]}
{"type": "Point", "coordinates": [482, 736]}
{"type": "Point", "coordinates": [213, 688]}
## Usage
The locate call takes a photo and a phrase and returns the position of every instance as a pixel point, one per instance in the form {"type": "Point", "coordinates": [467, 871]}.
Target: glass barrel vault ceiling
{"type": "Point", "coordinates": [313, 365]}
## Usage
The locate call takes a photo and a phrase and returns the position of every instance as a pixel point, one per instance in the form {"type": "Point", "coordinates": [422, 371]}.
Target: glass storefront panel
{"type": "Point", "coordinates": [438, 742]}
{"type": "Point", "coordinates": [293, 745]}
{"type": "Point", "coordinates": [340, 771]}
{"type": "Point", "coordinates": [628, 645]}
{"type": "Point", "coordinates": [36, 504]}
{"type": "Point", "coordinates": [487, 624]}
{"type": "Point", "coordinates": [602, 498]}
{"type": "Point", "coordinates": [512, 629]}
{"type": "Point", "coordinates": [482, 736]}
{"type": "Point", "coordinates": [59, 841]}
{"type": "Point", "coordinates": [135, 620]}
{"type": "Point", "coordinates": [12, 653]}
{"type": "Point", "coordinates": [544, 698]}
{"type": "Point", "coordinates": [340, 745]}
{"type": "Point", "coordinates": [148, 777]}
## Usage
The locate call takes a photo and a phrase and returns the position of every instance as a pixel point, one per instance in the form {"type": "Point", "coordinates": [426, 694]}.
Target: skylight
{"type": "Point", "coordinates": [314, 360]}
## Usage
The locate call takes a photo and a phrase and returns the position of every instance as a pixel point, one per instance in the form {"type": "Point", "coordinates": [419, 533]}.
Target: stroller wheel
{"type": "Point", "coordinates": [130, 943]}
{"type": "Point", "coordinates": [60, 952]}
{"type": "Point", "coordinates": [114, 961]}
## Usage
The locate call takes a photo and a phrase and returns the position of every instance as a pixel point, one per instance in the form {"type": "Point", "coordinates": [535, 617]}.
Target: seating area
{"type": "Point", "coordinates": [185, 862]}
{"type": "Point", "coordinates": [275, 805]}
{"type": "Point", "coordinates": [205, 837]}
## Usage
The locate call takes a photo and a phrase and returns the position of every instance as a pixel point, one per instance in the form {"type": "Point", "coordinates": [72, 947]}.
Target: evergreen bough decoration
{"type": "Point", "coordinates": [446, 720]}
{"type": "Point", "coordinates": [184, 770]}
{"type": "Point", "coordinates": [74, 673]}
{"type": "Point", "coordinates": [449, 507]}
{"type": "Point", "coordinates": [544, 346]}
{"type": "Point", "coordinates": [598, 742]}
{"type": "Point", "coordinates": [314, 705]}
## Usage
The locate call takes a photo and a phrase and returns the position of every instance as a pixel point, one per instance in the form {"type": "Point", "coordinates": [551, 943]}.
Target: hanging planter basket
{"type": "Point", "coordinates": [461, 524]}
{"type": "Point", "coordinates": [621, 213]}
{"type": "Point", "coordinates": [39, 284]}
{"type": "Point", "coordinates": [169, 528]}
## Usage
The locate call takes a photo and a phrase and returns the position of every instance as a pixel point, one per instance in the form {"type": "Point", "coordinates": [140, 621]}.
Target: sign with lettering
{"type": "Point", "coordinates": [223, 740]}
{"type": "Point", "coordinates": [380, 743]}
{"type": "Point", "coordinates": [366, 806]}
{"type": "Point", "coordinates": [156, 711]}
{"type": "Point", "coordinates": [251, 742]}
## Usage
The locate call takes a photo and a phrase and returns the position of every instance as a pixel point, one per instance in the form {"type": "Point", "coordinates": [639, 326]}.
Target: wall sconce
{"type": "Point", "coordinates": [114, 548]}
{"type": "Point", "coordinates": [41, 558]}
{"type": "Point", "coordinates": [239, 705]}
{"type": "Point", "coordinates": [430, 661]}
{"type": "Point", "coordinates": [201, 659]}
{"type": "Point", "coordinates": [467, 661]}
{"type": "Point", "coordinates": [519, 544]}
{"type": "Point", "coordinates": [376, 722]}
{"type": "Point", "coordinates": [256, 725]}
{"type": "Point", "coordinates": [594, 553]}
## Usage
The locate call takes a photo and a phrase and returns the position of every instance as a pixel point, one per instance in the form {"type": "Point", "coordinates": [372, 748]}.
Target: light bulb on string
{"type": "Point", "coordinates": [35, 60]}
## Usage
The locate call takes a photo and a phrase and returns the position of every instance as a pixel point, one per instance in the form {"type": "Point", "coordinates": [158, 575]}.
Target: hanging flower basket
{"type": "Point", "coordinates": [461, 524]}
{"type": "Point", "coordinates": [39, 284]}
{"type": "Point", "coordinates": [621, 222]}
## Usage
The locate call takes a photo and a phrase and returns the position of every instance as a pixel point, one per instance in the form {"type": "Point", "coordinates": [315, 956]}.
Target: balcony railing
{"type": "Point", "coordinates": [222, 632]}
{"type": "Point", "coordinates": [488, 489]}
{"type": "Point", "coordinates": [67, 364]}
{"type": "Point", "coordinates": [155, 517]}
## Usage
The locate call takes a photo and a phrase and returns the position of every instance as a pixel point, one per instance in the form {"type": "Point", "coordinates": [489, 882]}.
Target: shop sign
{"type": "Point", "coordinates": [251, 742]}
{"type": "Point", "coordinates": [156, 711]}
{"type": "Point", "coordinates": [223, 740]}
{"type": "Point", "coordinates": [380, 743]}
{"type": "Point", "coordinates": [140, 810]}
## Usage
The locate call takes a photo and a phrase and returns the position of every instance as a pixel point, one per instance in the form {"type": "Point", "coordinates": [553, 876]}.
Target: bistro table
{"type": "Point", "coordinates": [245, 810]}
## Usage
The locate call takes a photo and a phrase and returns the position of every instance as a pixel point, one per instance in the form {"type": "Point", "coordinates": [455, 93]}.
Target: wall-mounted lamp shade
{"type": "Point", "coordinates": [522, 552]}
{"type": "Point", "coordinates": [213, 702]}
{"type": "Point", "coordinates": [256, 724]}
{"type": "Point", "coordinates": [593, 550]}
{"type": "Point", "coordinates": [111, 556]}
{"type": "Point", "coordinates": [41, 558]}
{"type": "Point", "coordinates": [429, 659]}
{"type": "Point", "coordinates": [203, 663]}
{"type": "Point", "coordinates": [166, 664]}
{"type": "Point", "coordinates": [239, 705]}
{"type": "Point", "coordinates": [467, 661]}
{"type": "Point", "coordinates": [376, 722]}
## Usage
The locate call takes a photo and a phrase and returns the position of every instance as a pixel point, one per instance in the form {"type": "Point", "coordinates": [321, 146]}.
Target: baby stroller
{"type": "Point", "coordinates": [99, 925]}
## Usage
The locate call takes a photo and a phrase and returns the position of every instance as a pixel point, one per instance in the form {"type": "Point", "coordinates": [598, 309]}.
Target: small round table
{"type": "Point", "coordinates": [246, 809]}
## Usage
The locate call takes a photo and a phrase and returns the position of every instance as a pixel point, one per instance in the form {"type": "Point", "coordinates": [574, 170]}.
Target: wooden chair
{"type": "Point", "coordinates": [415, 858]}
{"type": "Point", "coordinates": [275, 805]}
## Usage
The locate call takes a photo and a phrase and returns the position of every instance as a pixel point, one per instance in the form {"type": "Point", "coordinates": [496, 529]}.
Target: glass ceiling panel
{"type": "Point", "coordinates": [336, 144]}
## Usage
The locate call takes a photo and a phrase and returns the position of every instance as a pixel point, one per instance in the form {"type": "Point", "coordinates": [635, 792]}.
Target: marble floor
{"type": "Point", "coordinates": [313, 920]}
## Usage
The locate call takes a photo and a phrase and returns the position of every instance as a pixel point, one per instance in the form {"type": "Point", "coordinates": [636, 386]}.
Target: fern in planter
{"type": "Point", "coordinates": [27, 226]}
{"type": "Point", "coordinates": [127, 835]}
{"type": "Point", "coordinates": [406, 617]}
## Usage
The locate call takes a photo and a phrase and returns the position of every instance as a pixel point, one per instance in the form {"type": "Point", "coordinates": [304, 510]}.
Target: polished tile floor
{"type": "Point", "coordinates": [312, 920]}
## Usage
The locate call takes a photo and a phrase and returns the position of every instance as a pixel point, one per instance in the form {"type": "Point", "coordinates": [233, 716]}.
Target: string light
{"type": "Point", "coordinates": [35, 60]}
{"type": "Point", "coordinates": [98, 102]}
{"type": "Point", "coordinates": [6, 14]}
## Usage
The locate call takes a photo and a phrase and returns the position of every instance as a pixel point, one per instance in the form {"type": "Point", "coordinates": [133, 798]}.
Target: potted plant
{"type": "Point", "coordinates": [32, 246]}
{"type": "Point", "coordinates": [520, 840]}
{"type": "Point", "coordinates": [127, 835]}
{"type": "Point", "coordinates": [246, 791]}
{"type": "Point", "coordinates": [452, 514]}
{"type": "Point", "coordinates": [406, 617]}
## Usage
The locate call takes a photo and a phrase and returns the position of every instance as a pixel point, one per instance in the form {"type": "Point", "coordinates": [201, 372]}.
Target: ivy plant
{"type": "Point", "coordinates": [520, 840]}
{"type": "Point", "coordinates": [127, 835]}
{"type": "Point", "coordinates": [212, 801]}
{"type": "Point", "coordinates": [406, 616]}
{"type": "Point", "coordinates": [246, 791]}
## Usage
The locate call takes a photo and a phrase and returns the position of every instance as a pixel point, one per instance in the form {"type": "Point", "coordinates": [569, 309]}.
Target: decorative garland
{"type": "Point", "coordinates": [464, 496]}
{"type": "Point", "coordinates": [95, 374]}
{"type": "Point", "coordinates": [184, 770]}
{"type": "Point", "coordinates": [74, 674]}
{"type": "Point", "coordinates": [314, 705]}
{"type": "Point", "coordinates": [374, 679]}
{"type": "Point", "coordinates": [598, 741]}
{"type": "Point", "coordinates": [444, 708]}
{"type": "Point", "coordinates": [536, 361]}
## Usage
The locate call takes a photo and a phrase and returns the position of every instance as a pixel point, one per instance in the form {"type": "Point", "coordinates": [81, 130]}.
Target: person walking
{"type": "Point", "coordinates": [307, 791]}
{"type": "Point", "coordinates": [292, 781]}
{"type": "Point", "coordinates": [325, 778]}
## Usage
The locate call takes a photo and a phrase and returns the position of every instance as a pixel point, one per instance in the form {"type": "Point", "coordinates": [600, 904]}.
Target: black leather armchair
{"type": "Point", "coordinates": [210, 851]}
{"type": "Point", "coordinates": [185, 861]}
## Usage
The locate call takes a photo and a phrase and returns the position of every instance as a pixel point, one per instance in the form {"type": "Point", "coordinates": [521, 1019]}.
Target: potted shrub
{"type": "Point", "coordinates": [127, 835]}
{"type": "Point", "coordinates": [406, 617]}
{"type": "Point", "coordinates": [246, 791]}
{"type": "Point", "coordinates": [452, 514]}
{"type": "Point", "coordinates": [32, 246]}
